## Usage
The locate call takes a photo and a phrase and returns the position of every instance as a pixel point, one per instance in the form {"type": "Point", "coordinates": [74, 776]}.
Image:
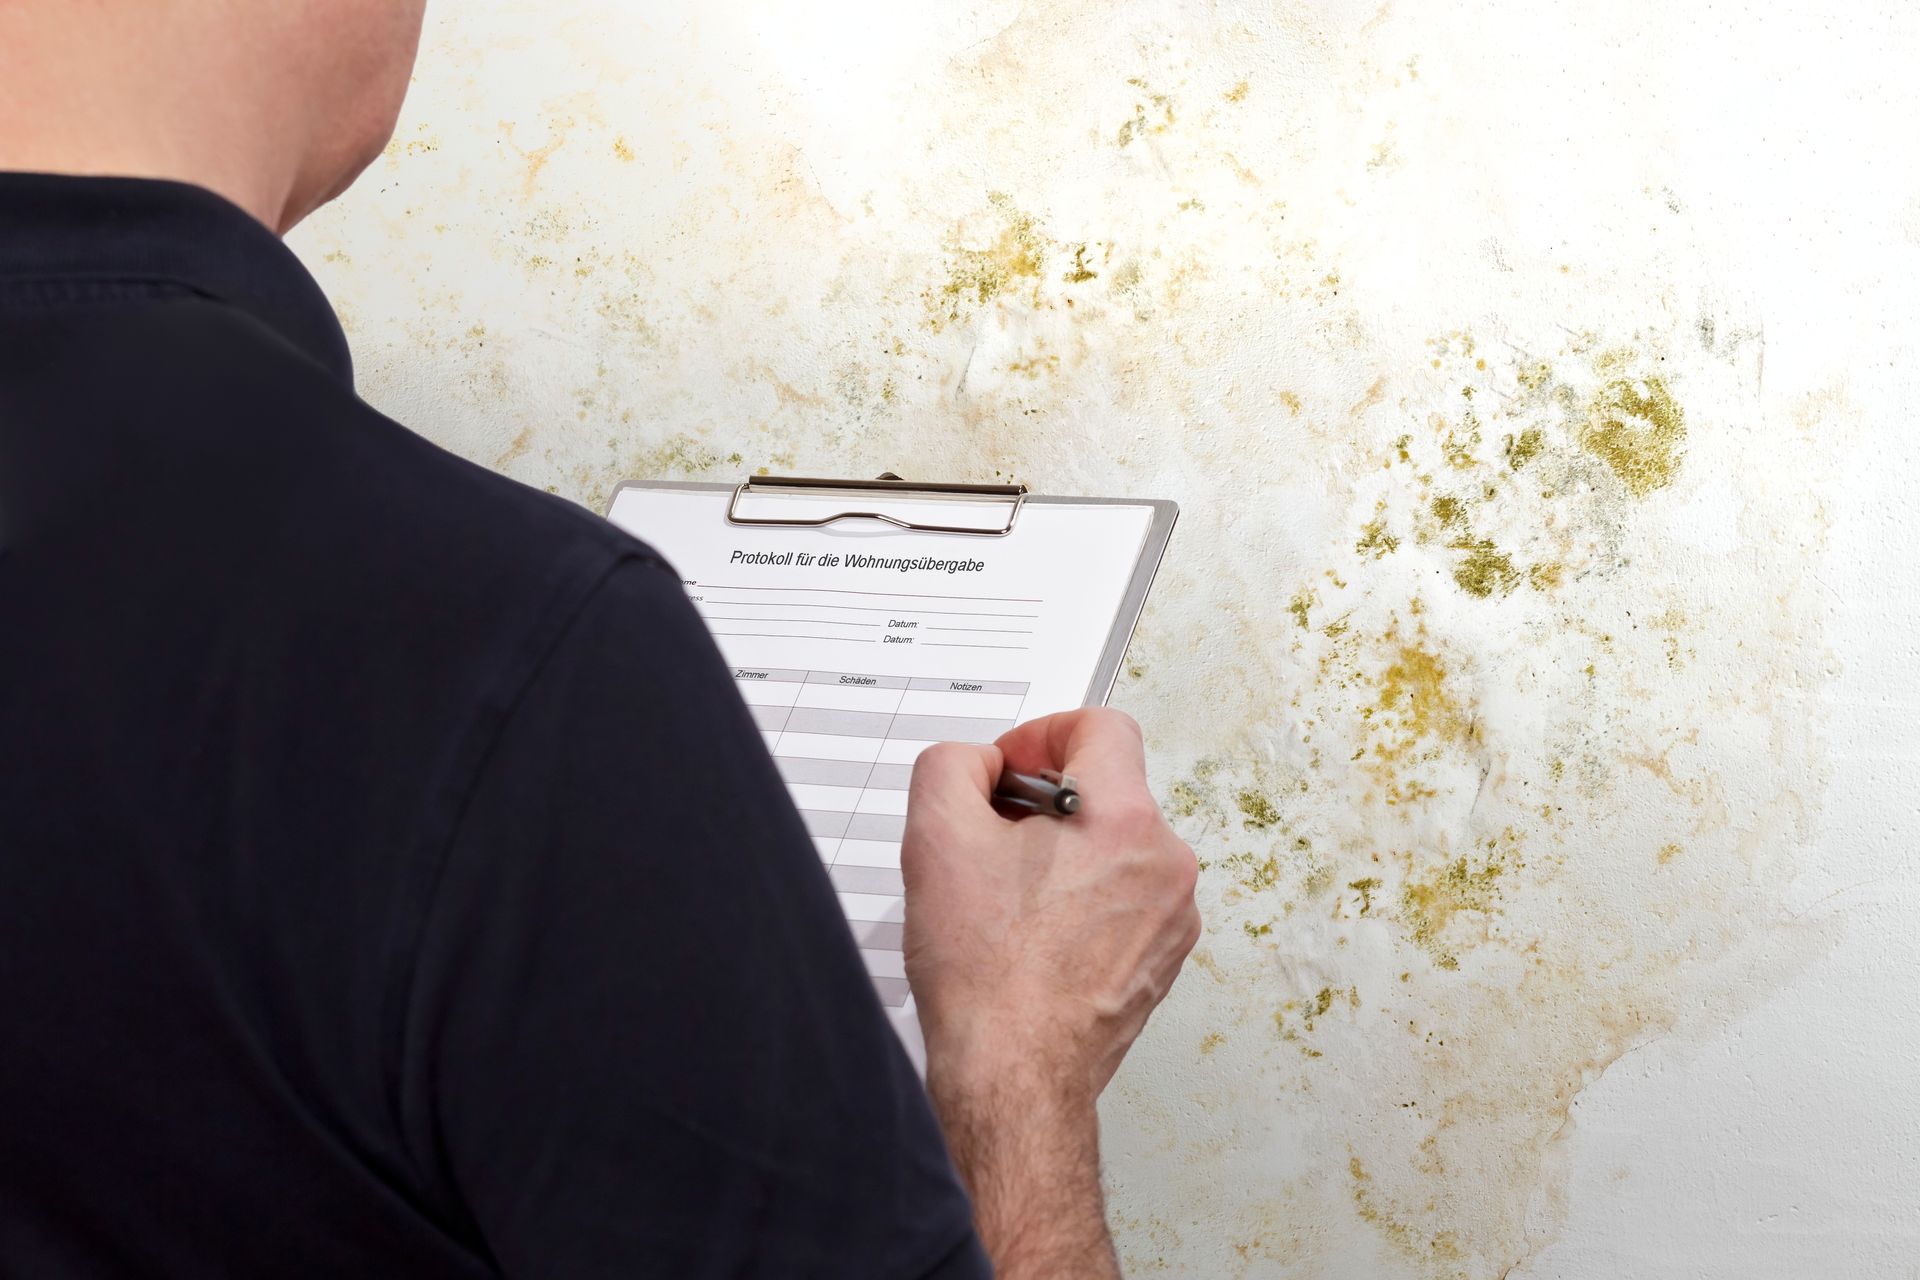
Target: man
{"type": "Point", "coordinates": [350, 923]}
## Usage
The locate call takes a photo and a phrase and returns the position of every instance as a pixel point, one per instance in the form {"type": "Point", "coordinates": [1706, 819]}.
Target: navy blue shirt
{"type": "Point", "coordinates": [391, 881]}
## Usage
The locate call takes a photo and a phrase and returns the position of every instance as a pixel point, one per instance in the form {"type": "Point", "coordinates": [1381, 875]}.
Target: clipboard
{"type": "Point", "coordinates": [859, 498]}
{"type": "Point", "coordinates": [866, 619]}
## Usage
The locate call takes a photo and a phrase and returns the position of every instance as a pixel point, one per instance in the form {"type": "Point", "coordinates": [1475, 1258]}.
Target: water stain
{"type": "Point", "coordinates": [536, 160]}
{"type": "Point", "coordinates": [1441, 1246]}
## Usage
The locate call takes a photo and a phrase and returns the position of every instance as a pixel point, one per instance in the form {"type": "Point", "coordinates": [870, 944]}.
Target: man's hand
{"type": "Point", "coordinates": [1036, 949]}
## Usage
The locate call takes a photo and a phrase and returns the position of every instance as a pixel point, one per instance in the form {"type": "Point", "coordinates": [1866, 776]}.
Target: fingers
{"type": "Point", "coordinates": [949, 805]}
{"type": "Point", "coordinates": [950, 775]}
{"type": "Point", "coordinates": [1098, 746]}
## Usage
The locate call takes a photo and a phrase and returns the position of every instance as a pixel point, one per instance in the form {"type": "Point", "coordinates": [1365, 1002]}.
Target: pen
{"type": "Point", "coordinates": [1046, 792]}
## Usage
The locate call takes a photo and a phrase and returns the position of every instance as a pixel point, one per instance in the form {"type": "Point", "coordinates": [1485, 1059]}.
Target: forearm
{"type": "Point", "coordinates": [1030, 1156]}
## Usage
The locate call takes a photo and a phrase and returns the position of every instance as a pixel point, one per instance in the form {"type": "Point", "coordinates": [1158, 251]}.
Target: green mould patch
{"type": "Point", "coordinates": [1375, 541]}
{"type": "Point", "coordinates": [977, 276]}
{"type": "Point", "coordinates": [1638, 429]}
{"type": "Point", "coordinates": [1430, 902]}
{"type": "Point", "coordinates": [1257, 811]}
{"type": "Point", "coordinates": [1450, 511]}
{"type": "Point", "coordinates": [1365, 889]}
{"type": "Point", "coordinates": [1080, 272]}
{"type": "Point", "coordinates": [1524, 448]}
{"type": "Point", "coordinates": [1484, 570]}
{"type": "Point", "coordinates": [1301, 606]}
{"type": "Point", "coordinates": [1251, 872]}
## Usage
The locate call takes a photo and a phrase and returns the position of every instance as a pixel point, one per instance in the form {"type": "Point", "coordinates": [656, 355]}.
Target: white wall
{"type": "Point", "coordinates": [1533, 667]}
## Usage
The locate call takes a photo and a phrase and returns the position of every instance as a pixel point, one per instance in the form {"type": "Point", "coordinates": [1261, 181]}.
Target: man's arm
{"type": "Point", "coordinates": [640, 1039]}
{"type": "Point", "coordinates": [1037, 948]}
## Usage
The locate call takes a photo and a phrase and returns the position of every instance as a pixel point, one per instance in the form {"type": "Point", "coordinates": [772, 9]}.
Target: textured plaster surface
{"type": "Point", "coordinates": [1532, 666]}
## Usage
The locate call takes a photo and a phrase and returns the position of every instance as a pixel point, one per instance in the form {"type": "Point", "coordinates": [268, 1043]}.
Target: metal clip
{"type": "Point", "coordinates": [889, 484]}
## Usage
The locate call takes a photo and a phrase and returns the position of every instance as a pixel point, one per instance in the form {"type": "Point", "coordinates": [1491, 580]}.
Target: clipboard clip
{"type": "Point", "coordinates": [888, 484]}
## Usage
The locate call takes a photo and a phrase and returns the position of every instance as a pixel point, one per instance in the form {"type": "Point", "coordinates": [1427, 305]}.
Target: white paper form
{"type": "Point", "coordinates": [858, 645]}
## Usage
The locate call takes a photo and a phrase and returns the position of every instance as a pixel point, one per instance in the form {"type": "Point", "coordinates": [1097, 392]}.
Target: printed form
{"type": "Point", "coordinates": [857, 645]}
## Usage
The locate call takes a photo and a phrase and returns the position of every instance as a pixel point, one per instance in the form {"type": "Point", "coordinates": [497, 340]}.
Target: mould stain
{"type": "Point", "coordinates": [1525, 447]}
{"type": "Point", "coordinates": [1257, 811]}
{"type": "Point", "coordinates": [1375, 541]}
{"type": "Point", "coordinates": [976, 276]}
{"type": "Point", "coordinates": [1637, 428]}
{"type": "Point", "coordinates": [1416, 705]}
{"type": "Point", "coordinates": [1152, 114]}
{"type": "Point", "coordinates": [1079, 272]}
{"type": "Point", "coordinates": [1365, 888]}
{"type": "Point", "coordinates": [1429, 903]}
{"type": "Point", "coordinates": [1484, 570]}
{"type": "Point", "coordinates": [1420, 644]}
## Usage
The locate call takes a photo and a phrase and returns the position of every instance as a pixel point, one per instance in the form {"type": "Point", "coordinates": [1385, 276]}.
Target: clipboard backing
{"type": "Point", "coordinates": [861, 495]}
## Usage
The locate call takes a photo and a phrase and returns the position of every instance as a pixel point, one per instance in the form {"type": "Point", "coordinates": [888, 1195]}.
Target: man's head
{"type": "Point", "coordinates": [276, 104]}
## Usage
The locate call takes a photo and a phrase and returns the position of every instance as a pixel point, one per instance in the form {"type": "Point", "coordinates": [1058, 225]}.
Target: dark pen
{"type": "Point", "coordinates": [1046, 792]}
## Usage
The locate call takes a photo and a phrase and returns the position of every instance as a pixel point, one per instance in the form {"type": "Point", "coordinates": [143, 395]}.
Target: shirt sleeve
{"type": "Point", "coordinates": [641, 1041]}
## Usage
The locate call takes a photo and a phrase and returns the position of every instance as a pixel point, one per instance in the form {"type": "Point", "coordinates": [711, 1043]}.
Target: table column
{"type": "Point", "coordinates": [827, 746]}
{"type": "Point", "coordinates": [866, 868]}
{"type": "Point", "coordinates": [769, 694]}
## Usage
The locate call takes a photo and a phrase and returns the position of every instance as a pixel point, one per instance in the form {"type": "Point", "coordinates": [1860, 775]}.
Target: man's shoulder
{"type": "Point", "coordinates": [254, 468]}
{"type": "Point", "coordinates": [355, 501]}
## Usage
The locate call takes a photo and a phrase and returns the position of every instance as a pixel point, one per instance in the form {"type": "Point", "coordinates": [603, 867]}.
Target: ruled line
{"type": "Point", "coordinates": [997, 631]}
{"type": "Point", "coordinates": [817, 622]}
{"type": "Point", "coordinates": [788, 635]}
{"type": "Point", "coordinates": [942, 644]}
{"type": "Point", "coordinates": [915, 595]}
{"type": "Point", "coordinates": [865, 608]}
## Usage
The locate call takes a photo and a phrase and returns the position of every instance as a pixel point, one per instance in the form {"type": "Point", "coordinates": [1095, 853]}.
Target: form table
{"type": "Point", "coordinates": [845, 743]}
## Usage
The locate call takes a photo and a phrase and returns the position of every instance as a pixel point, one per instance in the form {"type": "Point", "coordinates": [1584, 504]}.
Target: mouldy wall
{"type": "Point", "coordinates": [1485, 671]}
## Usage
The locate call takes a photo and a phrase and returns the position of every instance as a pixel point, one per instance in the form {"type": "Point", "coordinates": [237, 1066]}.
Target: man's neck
{"type": "Point", "coordinates": [83, 96]}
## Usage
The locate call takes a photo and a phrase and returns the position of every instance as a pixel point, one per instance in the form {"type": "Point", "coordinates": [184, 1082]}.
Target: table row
{"type": "Point", "coordinates": [911, 702]}
{"type": "Point", "coordinates": [879, 724]}
{"type": "Point", "coordinates": [751, 676]}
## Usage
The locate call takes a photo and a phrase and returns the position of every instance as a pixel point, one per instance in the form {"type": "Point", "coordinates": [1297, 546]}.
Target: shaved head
{"type": "Point", "coordinates": [276, 104]}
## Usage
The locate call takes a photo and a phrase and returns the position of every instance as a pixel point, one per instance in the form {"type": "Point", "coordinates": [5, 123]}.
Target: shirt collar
{"type": "Point", "coordinates": [55, 227]}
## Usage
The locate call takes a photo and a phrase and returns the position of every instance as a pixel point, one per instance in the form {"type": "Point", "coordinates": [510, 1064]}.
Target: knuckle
{"type": "Point", "coordinates": [1190, 935]}
{"type": "Point", "coordinates": [1186, 869]}
{"type": "Point", "coordinates": [1135, 816]}
{"type": "Point", "coordinates": [1119, 724]}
